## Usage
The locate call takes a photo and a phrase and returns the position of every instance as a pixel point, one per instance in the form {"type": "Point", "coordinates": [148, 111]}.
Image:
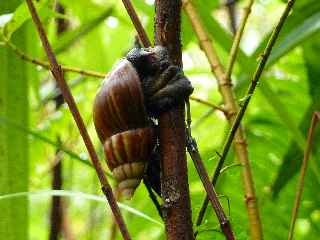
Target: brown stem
{"type": "Point", "coordinates": [231, 7]}
{"type": "Point", "coordinates": [56, 214]}
{"type": "Point", "coordinates": [212, 195]}
{"type": "Point", "coordinates": [174, 181]}
{"type": "Point", "coordinates": [137, 24]}
{"type": "Point", "coordinates": [46, 65]}
{"type": "Point", "coordinates": [216, 107]}
{"type": "Point", "coordinates": [237, 39]}
{"type": "Point", "coordinates": [314, 122]}
{"type": "Point", "coordinates": [232, 108]}
{"type": "Point", "coordinates": [58, 74]}
{"type": "Point", "coordinates": [224, 222]}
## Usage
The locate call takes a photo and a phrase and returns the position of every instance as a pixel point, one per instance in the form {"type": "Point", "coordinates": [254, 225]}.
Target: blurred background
{"type": "Point", "coordinates": [41, 149]}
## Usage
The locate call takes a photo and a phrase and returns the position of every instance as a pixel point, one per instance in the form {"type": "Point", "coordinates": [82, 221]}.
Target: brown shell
{"type": "Point", "coordinates": [119, 104]}
{"type": "Point", "coordinates": [127, 154]}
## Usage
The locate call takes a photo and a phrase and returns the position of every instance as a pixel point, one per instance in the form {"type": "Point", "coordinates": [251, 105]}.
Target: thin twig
{"type": "Point", "coordinates": [214, 106]}
{"type": "Point", "coordinates": [46, 65]}
{"type": "Point", "coordinates": [232, 107]}
{"type": "Point", "coordinates": [225, 225]}
{"type": "Point", "coordinates": [300, 186]}
{"type": "Point", "coordinates": [88, 73]}
{"type": "Point", "coordinates": [137, 24]}
{"type": "Point", "coordinates": [231, 7]}
{"type": "Point", "coordinates": [254, 82]}
{"type": "Point", "coordinates": [224, 222]}
{"type": "Point", "coordinates": [152, 196]}
{"type": "Point", "coordinates": [236, 42]}
{"type": "Point", "coordinates": [59, 76]}
{"type": "Point", "coordinates": [255, 79]}
{"type": "Point", "coordinates": [212, 195]}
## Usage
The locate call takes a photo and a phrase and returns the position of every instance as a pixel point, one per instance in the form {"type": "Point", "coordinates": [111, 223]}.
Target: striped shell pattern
{"type": "Point", "coordinates": [123, 126]}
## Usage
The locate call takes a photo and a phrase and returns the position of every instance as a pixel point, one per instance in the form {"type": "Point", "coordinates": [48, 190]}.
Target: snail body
{"type": "Point", "coordinates": [139, 88]}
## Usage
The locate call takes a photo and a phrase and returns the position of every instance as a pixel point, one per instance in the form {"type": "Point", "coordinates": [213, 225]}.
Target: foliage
{"type": "Point", "coordinates": [14, 175]}
{"type": "Point", "coordinates": [100, 32]}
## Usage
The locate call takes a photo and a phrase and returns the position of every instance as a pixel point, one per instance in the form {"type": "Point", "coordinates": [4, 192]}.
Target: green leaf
{"type": "Point", "coordinates": [14, 160]}
{"type": "Point", "coordinates": [221, 38]}
{"type": "Point", "coordinates": [44, 139]}
{"type": "Point", "coordinates": [303, 23]}
{"type": "Point", "coordinates": [90, 197]}
{"type": "Point", "coordinates": [70, 37]}
{"type": "Point", "coordinates": [293, 158]}
{"type": "Point", "coordinates": [22, 14]}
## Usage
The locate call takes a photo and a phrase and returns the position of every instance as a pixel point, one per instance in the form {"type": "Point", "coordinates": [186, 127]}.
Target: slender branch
{"type": "Point", "coordinates": [46, 65]}
{"type": "Point", "coordinates": [231, 7]}
{"type": "Point", "coordinates": [255, 79]}
{"type": "Point", "coordinates": [209, 104]}
{"type": "Point", "coordinates": [56, 214]}
{"type": "Point", "coordinates": [59, 76]}
{"type": "Point", "coordinates": [212, 195]}
{"type": "Point", "coordinates": [300, 186]}
{"type": "Point", "coordinates": [236, 42]}
{"type": "Point", "coordinates": [232, 107]}
{"type": "Point", "coordinates": [88, 73]}
{"type": "Point", "coordinates": [152, 196]}
{"type": "Point", "coordinates": [254, 82]}
{"type": "Point", "coordinates": [137, 24]}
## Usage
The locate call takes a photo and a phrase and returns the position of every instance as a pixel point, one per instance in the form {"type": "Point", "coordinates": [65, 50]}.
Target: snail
{"type": "Point", "coordinates": [140, 87]}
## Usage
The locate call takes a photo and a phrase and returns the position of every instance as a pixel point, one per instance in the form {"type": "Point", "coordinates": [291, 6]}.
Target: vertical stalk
{"type": "Point", "coordinates": [56, 214]}
{"type": "Point", "coordinates": [57, 72]}
{"type": "Point", "coordinates": [314, 122]}
{"type": "Point", "coordinates": [232, 108]}
{"type": "Point", "coordinates": [174, 182]}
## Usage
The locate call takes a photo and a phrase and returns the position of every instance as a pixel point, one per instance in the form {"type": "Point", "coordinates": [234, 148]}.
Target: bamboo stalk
{"type": "Point", "coordinates": [232, 107]}
{"type": "Point", "coordinates": [300, 185]}
{"type": "Point", "coordinates": [237, 39]}
{"type": "Point", "coordinates": [59, 76]}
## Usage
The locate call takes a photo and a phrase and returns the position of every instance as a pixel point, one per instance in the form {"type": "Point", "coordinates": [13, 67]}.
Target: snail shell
{"type": "Point", "coordinates": [127, 153]}
{"type": "Point", "coordinates": [119, 105]}
{"type": "Point", "coordinates": [123, 126]}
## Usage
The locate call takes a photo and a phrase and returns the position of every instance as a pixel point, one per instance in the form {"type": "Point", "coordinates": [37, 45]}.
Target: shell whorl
{"type": "Point", "coordinates": [119, 104]}
{"type": "Point", "coordinates": [127, 154]}
{"type": "Point", "coordinates": [123, 126]}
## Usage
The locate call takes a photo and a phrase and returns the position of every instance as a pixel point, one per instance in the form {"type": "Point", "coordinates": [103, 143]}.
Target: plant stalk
{"type": "Point", "coordinates": [232, 107]}
{"type": "Point", "coordinates": [174, 181]}
{"type": "Point", "coordinates": [300, 186]}
{"type": "Point", "coordinates": [59, 76]}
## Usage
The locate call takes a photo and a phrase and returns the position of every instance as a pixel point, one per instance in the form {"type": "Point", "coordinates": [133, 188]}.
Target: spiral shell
{"type": "Point", "coordinates": [123, 126]}
{"type": "Point", "coordinates": [127, 152]}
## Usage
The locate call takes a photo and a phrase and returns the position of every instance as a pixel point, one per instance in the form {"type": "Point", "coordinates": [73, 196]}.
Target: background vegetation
{"type": "Point", "coordinates": [33, 130]}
